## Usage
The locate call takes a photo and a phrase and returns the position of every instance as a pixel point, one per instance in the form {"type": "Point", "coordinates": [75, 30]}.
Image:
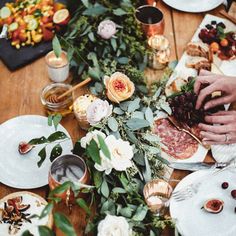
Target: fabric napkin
{"type": "Point", "coordinates": [224, 153]}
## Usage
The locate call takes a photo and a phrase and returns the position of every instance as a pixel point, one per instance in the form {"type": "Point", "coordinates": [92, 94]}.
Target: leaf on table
{"type": "Point", "coordinates": [105, 189]}
{"type": "Point", "coordinates": [138, 114]}
{"type": "Point", "coordinates": [149, 116]}
{"type": "Point", "coordinates": [42, 154]}
{"type": "Point", "coordinates": [119, 12]}
{"type": "Point", "coordinates": [91, 36]}
{"type": "Point", "coordinates": [118, 111]}
{"type": "Point", "coordinates": [45, 231]}
{"type": "Point", "coordinates": [63, 223]}
{"type": "Point", "coordinates": [134, 105]}
{"type": "Point", "coordinates": [104, 147]}
{"type": "Point", "coordinates": [56, 152]}
{"type": "Point", "coordinates": [56, 46]}
{"type": "Point", "coordinates": [147, 173]}
{"type": "Point", "coordinates": [97, 178]}
{"type": "Point", "coordinates": [47, 210]}
{"type": "Point", "coordinates": [140, 213]}
{"type": "Point", "coordinates": [118, 190]}
{"type": "Point", "coordinates": [58, 135]}
{"type": "Point", "coordinates": [70, 53]}
{"type": "Point", "coordinates": [86, 3]}
{"type": "Point", "coordinates": [131, 136]}
{"type": "Point", "coordinates": [81, 202]}
{"type": "Point", "coordinates": [95, 10]}
{"type": "Point", "coordinates": [112, 124]}
{"type": "Point", "coordinates": [122, 60]}
{"type": "Point", "coordinates": [94, 73]}
{"type": "Point", "coordinates": [27, 233]}
{"type": "Point", "coordinates": [136, 124]}
{"type": "Point", "coordinates": [124, 105]}
{"type": "Point", "coordinates": [126, 212]}
{"type": "Point", "coordinates": [151, 138]}
{"type": "Point", "coordinates": [37, 141]}
{"type": "Point", "coordinates": [93, 151]}
{"type": "Point", "coordinates": [60, 189]}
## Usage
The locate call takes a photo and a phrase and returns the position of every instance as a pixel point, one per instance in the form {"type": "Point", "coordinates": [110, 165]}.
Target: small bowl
{"type": "Point", "coordinates": [64, 164]}
{"type": "Point", "coordinates": [63, 107]}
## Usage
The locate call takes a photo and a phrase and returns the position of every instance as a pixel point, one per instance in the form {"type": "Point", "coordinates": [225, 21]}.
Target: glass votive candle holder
{"type": "Point", "coordinates": [160, 52]}
{"type": "Point", "coordinates": [58, 67]}
{"type": "Point", "coordinates": [65, 168]}
{"type": "Point", "coordinates": [54, 106]}
{"type": "Point", "coordinates": [157, 193]}
{"type": "Point", "coordinates": [80, 106]}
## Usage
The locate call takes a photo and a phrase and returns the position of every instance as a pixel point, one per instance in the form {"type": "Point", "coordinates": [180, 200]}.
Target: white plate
{"type": "Point", "coordinates": [21, 171]}
{"type": "Point", "coordinates": [194, 5]}
{"type": "Point", "coordinates": [191, 220]}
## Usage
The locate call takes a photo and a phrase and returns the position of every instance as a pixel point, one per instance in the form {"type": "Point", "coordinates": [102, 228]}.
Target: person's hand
{"type": "Point", "coordinates": [223, 131]}
{"type": "Point", "coordinates": [225, 84]}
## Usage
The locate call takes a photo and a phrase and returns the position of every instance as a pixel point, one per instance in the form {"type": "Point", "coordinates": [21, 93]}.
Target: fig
{"type": "Point", "coordinates": [233, 193]}
{"type": "Point", "coordinates": [24, 147]}
{"type": "Point", "coordinates": [214, 206]}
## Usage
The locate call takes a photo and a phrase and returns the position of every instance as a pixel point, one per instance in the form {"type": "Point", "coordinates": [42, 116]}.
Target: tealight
{"type": "Point", "coordinates": [58, 67]}
{"type": "Point", "coordinates": [80, 106]}
{"type": "Point", "coordinates": [160, 55]}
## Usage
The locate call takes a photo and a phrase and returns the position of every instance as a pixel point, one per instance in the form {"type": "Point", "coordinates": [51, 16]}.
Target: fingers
{"type": "Point", "coordinates": [203, 79]}
{"type": "Point", "coordinates": [220, 119]}
{"type": "Point", "coordinates": [222, 113]}
{"type": "Point", "coordinates": [208, 136]}
{"type": "Point", "coordinates": [204, 93]}
{"type": "Point", "coordinates": [205, 73]}
{"type": "Point", "coordinates": [218, 129]}
{"type": "Point", "coordinates": [218, 101]}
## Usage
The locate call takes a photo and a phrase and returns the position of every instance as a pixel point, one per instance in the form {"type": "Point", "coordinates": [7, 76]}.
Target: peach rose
{"type": "Point", "coordinates": [119, 87]}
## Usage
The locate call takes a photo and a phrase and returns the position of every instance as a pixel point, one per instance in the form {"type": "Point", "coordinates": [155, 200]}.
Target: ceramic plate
{"type": "Point", "coordinates": [191, 220]}
{"type": "Point", "coordinates": [21, 171]}
{"type": "Point", "coordinates": [193, 5]}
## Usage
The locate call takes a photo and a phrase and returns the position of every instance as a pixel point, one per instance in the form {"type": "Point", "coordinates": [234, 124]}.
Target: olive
{"type": "Point", "coordinates": [225, 185]}
{"type": "Point", "coordinates": [233, 193]}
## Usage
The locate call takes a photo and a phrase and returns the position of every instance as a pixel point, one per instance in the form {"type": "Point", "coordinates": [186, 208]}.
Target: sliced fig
{"type": "Point", "coordinates": [23, 207]}
{"type": "Point", "coordinates": [233, 193]}
{"type": "Point", "coordinates": [24, 147]}
{"type": "Point", "coordinates": [214, 206]}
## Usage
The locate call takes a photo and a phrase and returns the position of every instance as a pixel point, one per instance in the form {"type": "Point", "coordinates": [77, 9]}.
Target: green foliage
{"type": "Point", "coordinates": [56, 46]}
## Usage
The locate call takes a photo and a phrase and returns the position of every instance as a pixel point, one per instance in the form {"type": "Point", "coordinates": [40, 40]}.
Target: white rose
{"type": "Point", "coordinates": [89, 136]}
{"type": "Point", "coordinates": [106, 29]}
{"type": "Point", "coordinates": [98, 110]}
{"type": "Point", "coordinates": [113, 226]}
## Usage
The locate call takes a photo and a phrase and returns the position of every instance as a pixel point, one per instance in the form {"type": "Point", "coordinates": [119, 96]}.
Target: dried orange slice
{"type": "Point", "coordinates": [61, 17]}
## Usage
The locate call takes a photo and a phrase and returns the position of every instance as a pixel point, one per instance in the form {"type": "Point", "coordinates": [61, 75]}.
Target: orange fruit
{"type": "Point", "coordinates": [224, 42]}
{"type": "Point", "coordinates": [214, 47]}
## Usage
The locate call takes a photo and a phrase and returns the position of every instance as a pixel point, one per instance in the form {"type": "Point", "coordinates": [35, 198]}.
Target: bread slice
{"type": "Point", "coordinates": [198, 63]}
{"type": "Point", "coordinates": [175, 86]}
{"type": "Point", "coordinates": [199, 49]}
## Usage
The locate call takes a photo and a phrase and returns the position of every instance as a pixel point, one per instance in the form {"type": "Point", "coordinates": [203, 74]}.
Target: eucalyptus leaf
{"type": "Point", "coordinates": [56, 46]}
{"type": "Point", "coordinates": [147, 174]}
{"type": "Point", "coordinates": [165, 106]}
{"type": "Point", "coordinates": [92, 56]}
{"type": "Point", "coordinates": [136, 124]}
{"type": "Point", "coordinates": [60, 189]}
{"type": "Point", "coordinates": [112, 124]}
{"type": "Point", "coordinates": [118, 190]}
{"type": "Point", "coordinates": [86, 3]}
{"type": "Point", "coordinates": [81, 202]}
{"type": "Point", "coordinates": [98, 87]}
{"type": "Point", "coordinates": [93, 152]}
{"type": "Point", "coordinates": [119, 12]}
{"type": "Point", "coordinates": [70, 53]}
{"type": "Point", "coordinates": [27, 233]}
{"type": "Point", "coordinates": [56, 152]}
{"type": "Point", "coordinates": [37, 141]}
{"type": "Point", "coordinates": [124, 105]}
{"type": "Point", "coordinates": [58, 135]}
{"type": "Point", "coordinates": [149, 116]}
{"type": "Point", "coordinates": [122, 60]}
{"type": "Point", "coordinates": [95, 10]}
{"type": "Point", "coordinates": [50, 120]}
{"type": "Point", "coordinates": [151, 138]}
{"type": "Point", "coordinates": [56, 119]}
{"type": "Point", "coordinates": [91, 36]}
{"type": "Point", "coordinates": [157, 93]}
{"type": "Point", "coordinates": [118, 111]}
{"type": "Point", "coordinates": [134, 105]}
{"type": "Point", "coordinates": [131, 136]}
{"type": "Point", "coordinates": [104, 147]}
{"type": "Point", "coordinates": [140, 213]}
{"type": "Point", "coordinates": [114, 44]}
{"type": "Point", "coordinates": [105, 189]}
{"type": "Point", "coordinates": [62, 222]}
{"type": "Point", "coordinates": [138, 114]}
{"type": "Point", "coordinates": [47, 210]}
{"type": "Point", "coordinates": [45, 231]}
{"type": "Point", "coordinates": [94, 73]}
{"type": "Point", "coordinates": [42, 154]}
{"type": "Point", "coordinates": [126, 212]}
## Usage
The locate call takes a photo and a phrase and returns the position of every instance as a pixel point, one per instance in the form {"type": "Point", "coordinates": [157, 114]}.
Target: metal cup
{"type": "Point", "coordinates": [151, 20]}
{"type": "Point", "coordinates": [62, 162]}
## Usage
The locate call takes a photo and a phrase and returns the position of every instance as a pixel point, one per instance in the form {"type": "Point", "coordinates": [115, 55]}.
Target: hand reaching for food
{"type": "Point", "coordinates": [221, 128]}
{"type": "Point", "coordinates": [212, 83]}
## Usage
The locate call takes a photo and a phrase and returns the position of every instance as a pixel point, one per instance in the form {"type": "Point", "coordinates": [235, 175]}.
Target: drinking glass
{"type": "Point", "coordinates": [157, 194]}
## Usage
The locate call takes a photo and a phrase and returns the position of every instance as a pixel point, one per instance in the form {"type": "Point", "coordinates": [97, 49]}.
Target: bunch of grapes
{"type": "Point", "coordinates": [183, 108]}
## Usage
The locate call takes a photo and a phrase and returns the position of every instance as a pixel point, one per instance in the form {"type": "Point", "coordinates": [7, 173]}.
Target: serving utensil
{"type": "Point", "coordinates": [3, 34]}
{"type": "Point", "coordinates": [180, 127]}
{"type": "Point", "coordinates": [227, 16]}
{"type": "Point", "coordinates": [53, 98]}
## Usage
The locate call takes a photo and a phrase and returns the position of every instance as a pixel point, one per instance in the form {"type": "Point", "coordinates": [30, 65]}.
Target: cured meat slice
{"type": "Point", "coordinates": [177, 144]}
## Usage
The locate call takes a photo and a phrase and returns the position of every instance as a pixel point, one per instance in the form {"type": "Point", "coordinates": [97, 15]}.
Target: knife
{"type": "Point", "coordinates": [197, 165]}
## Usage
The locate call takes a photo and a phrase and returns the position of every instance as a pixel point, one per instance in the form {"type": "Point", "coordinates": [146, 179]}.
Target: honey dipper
{"type": "Point", "coordinates": [53, 98]}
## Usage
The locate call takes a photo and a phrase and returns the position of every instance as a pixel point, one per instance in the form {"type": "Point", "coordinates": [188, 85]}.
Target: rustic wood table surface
{"type": "Point", "coordinates": [20, 93]}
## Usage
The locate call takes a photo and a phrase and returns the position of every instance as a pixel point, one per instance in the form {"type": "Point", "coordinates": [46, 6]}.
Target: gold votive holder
{"type": "Point", "coordinates": [63, 106]}
{"type": "Point", "coordinates": [157, 192]}
{"type": "Point", "coordinates": [80, 106]}
{"type": "Point", "coordinates": [160, 52]}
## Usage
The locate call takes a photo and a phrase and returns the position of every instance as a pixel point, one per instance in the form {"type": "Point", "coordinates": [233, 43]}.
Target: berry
{"type": "Point", "coordinates": [225, 185]}
{"type": "Point", "coordinates": [233, 193]}
{"type": "Point", "coordinates": [214, 47]}
{"type": "Point", "coordinates": [221, 24]}
{"type": "Point", "coordinates": [224, 42]}
{"type": "Point", "coordinates": [208, 26]}
{"type": "Point", "coordinates": [213, 22]}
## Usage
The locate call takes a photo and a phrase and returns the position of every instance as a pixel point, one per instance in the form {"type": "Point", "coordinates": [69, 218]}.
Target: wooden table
{"type": "Point", "coordinates": [20, 90]}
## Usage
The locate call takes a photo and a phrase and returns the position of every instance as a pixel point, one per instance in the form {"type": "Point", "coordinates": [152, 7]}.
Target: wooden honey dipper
{"type": "Point", "coordinates": [53, 98]}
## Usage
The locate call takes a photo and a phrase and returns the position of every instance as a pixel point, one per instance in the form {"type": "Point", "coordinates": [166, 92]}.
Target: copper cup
{"type": "Point", "coordinates": [62, 164]}
{"type": "Point", "coordinates": [151, 20]}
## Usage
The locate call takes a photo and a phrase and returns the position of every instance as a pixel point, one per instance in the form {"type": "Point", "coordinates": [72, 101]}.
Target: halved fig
{"type": "Point", "coordinates": [24, 147]}
{"type": "Point", "coordinates": [23, 207]}
{"type": "Point", "coordinates": [214, 206]}
{"type": "Point", "coordinates": [61, 17]}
